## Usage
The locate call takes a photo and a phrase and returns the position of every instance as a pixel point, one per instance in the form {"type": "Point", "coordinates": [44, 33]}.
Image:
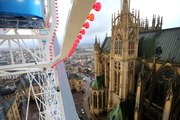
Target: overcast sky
{"type": "Point", "coordinates": [102, 23]}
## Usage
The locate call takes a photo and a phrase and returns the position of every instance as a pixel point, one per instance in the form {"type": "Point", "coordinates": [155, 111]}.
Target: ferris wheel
{"type": "Point", "coordinates": [29, 36]}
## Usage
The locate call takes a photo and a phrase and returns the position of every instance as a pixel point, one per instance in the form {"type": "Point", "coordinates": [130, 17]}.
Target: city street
{"type": "Point", "coordinates": [79, 99]}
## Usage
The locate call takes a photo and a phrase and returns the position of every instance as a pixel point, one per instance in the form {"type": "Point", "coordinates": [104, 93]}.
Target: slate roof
{"type": "Point", "coordinates": [74, 76]}
{"type": "Point", "coordinates": [95, 84]}
{"type": "Point", "coordinates": [106, 46]}
{"type": "Point", "coordinates": [6, 91]}
{"type": "Point", "coordinates": [4, 106]}
{"type": "Point", "coordinates": [163, 43]}
{"type": "Point", "coordinates": [98, 83]}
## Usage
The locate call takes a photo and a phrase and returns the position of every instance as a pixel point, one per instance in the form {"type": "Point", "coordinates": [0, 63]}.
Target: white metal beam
{"type": "Point", "coordinates": [79, 13]}
{"type": "Point", "coordinates": [11, 54]}
{"type": "Point", "coordinates": [6, 37]}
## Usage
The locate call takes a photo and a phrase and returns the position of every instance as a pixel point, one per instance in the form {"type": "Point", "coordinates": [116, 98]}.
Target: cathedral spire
{"type": "Point", "coordinates": [96, 39]}
{"type": "Point", "coordinates": [126, 6]}
{"type": "Point", "coordinates": [125, 13]}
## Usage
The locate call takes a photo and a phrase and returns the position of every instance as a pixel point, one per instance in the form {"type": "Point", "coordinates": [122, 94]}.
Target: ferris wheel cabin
{"type": "Point", "coordinates": [25, 14]}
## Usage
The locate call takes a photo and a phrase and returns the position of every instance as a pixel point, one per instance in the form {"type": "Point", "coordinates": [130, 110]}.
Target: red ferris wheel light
{"type": "Point", "coordinates": [86, 25]}
{"type": "Point", "coordinates": [79, 37]}
{"type": "Point", "coordinates": [83, 31]}
{"type": "Point", "coordinates": [97, 6]}
{"type": "Point", "coordinates": [77, 41]}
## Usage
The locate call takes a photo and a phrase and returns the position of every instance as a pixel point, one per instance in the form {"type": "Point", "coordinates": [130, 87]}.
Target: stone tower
{"type": "Point", "coordinates": [124, 46]}
{"type": "Point", "coordinates": [96, 57]}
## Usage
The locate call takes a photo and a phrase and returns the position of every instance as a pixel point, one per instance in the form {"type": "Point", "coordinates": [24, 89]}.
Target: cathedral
{"type": "Point", "coordinates": [137, 70]}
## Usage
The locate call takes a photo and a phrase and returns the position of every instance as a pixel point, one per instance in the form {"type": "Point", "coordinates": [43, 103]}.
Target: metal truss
{"type": "Point", "coordinates": [47, 97]}
{"type": "Point", "coordinates": [27, 24]}
{"type": "Point", "coordinates": [28, 53]}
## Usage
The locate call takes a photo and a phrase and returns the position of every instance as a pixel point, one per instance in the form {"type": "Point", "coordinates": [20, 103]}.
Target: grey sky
{"type": "Point", "coordinates": [102, 23]}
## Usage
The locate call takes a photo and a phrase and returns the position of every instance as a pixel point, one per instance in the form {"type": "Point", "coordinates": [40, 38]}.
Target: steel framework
{"type": "Point", "coordinates": [20, 45]}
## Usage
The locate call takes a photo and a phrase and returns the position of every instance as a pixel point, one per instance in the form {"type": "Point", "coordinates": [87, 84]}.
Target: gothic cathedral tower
{"type": "Point", "coordinates": [96, 57]}
{"type": "Point", "coordinates": [123, 53]}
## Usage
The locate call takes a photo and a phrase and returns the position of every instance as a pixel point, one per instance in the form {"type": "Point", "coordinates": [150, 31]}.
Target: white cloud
{"type": "Point", "coordinates": [102, 23]}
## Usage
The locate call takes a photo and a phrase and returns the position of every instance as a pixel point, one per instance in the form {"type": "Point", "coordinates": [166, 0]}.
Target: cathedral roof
{"type": "Point", "coordinates": [116, 113]}
{"type": "Point", "coordinates": [163, 43]}
{"type": "Point", "coordinates": [106, 45]}
{"type": "Point", "coordinates": [5, 105]}
{"type": "Point", "coordinates": [96, 84]}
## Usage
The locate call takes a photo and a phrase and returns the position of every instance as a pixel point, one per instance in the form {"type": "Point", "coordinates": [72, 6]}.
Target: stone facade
{"type": "Point", "coordinates": [118, 59]}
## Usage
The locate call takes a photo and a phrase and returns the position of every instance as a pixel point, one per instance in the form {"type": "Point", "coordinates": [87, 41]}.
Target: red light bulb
{"type": "Point", "coordinates": [91, 17]}
{"type": "Point", "coordinates": [79, 37]}
{"type": "Point", "coordinates": [83, 31]}
{"type": "Point", "coordinates": [77, 41]}
{"type": "Point", "coordinates": [97, 6]}
{"type": "Point", "coordinates": [72, 50]}
{"type": "Point", "coordinates": [69, 54]}
{"type": "Point", "coordinates": [86, 25]}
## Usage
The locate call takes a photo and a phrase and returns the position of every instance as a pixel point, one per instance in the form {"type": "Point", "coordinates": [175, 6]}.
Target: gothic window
{"type": "Point", "coordinates": [103, 69]}
{"type": "Point", "coordinates": [91, 99]}
{"type": "Point", "coordinates": [131, 34]}
{"type": "Point", "coordinates": [100, 100]}
{"type": "Point", "coordinates": [104, 99]}
{"type": "Point", "coordinates": [115, 65]}
{"type": "Point", "coordinates": [159, 93]}
{"type": "Point", "coordinates": [162, 80]}
{"type": "Point", "coordinates": [130, 65]}
{"type": "Point", "coordinates": [115, 82]}
{"type": "Point", "coordinates": [118, 45]}
{"type": "Point", "coordinates": [131, 48]}
{"type": "Point", "coordinates": [117, 68]}
{"type": "Point", "coordinates": [130, 74]}
{"type": "Point", "coordinates": [95, 100]}
{"type": "Point", "coordinates": [147, 79]}
{"type": "Point", "coordinates": [131, 42]}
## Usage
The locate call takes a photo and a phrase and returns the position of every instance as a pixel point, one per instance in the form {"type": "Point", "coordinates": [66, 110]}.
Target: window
{"type": "Point", "coordinates": [118, 45]}
{"type": "Point", "coordinates": [130, 65]}
{"type": "Point", "coordinates": [162, 85]}
{"type": "Point", "coordinates": [131, 48]}
{"type": "Point", "coordinates": [95, 100]}
{"type": "Point", "coordinates": [116, 86]}
{"type": "Point", "coordinates": [100, 100]}
{"type": "Point", "coordinates": [117, 68]}
{"type": "Point", "coordinates": [120, 48]}
{"type": "Point", "coordinates": [104, 99]}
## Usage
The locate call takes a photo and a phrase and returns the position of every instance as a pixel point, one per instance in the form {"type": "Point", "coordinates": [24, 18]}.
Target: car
{"type": "Point", "coordinates": [82, 111]}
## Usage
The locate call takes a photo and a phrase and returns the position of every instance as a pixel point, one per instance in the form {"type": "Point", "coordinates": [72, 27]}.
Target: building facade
{"type": "Point", "coordinates": [76, 82]}
{"type": "Point", "coordinates": [140, 66]}
{"type": "Point", "coordinates": [9, 105]}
